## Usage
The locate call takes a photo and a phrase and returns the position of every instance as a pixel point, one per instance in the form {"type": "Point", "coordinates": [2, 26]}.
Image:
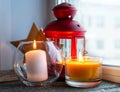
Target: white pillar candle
{"type": "Point", "coordinates": [36, 64]}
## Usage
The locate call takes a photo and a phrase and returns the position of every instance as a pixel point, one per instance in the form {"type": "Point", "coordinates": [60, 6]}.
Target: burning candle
{"type": "Point", "coordinates": [83, 70]}
{"type": "Point", "coordinates": [36, 64]}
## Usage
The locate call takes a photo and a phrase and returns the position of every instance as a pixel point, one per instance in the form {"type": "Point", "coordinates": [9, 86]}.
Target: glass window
{"type": "Point", "coordinates": [100, 44]}
{"type": "Point", "coordinates": [117, 44]}
{"type": "Point", "coordinates": [117, 22]}
{"type": "Point", "coordinates": [99, 21]}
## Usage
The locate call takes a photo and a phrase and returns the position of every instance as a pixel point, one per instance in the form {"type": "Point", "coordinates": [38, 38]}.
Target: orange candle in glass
{"type": "Point", "coordinates": [83, 70]}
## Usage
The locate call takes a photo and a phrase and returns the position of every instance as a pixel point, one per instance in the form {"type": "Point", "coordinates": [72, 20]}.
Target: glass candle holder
{"type": "Point", "coordinates": [37, 63]}
{"type": "Point", "coordinates": [84, 72]}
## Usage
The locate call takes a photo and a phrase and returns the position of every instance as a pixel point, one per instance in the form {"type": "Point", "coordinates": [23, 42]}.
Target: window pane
{"type": "Point", "coordinates": [99, 21]}
{"type": "Point", "coordinates": [117, 44]}
{"type": "Point", "coordinates": [100, 44]}
{"type": "Point", "coordinates": [117, 22]}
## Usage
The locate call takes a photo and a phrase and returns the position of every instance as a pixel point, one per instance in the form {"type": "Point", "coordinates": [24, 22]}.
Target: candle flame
{"type": "Point", "coordinates": [80, 57]}
{"type": "Point", "coordinates": [34, 44]}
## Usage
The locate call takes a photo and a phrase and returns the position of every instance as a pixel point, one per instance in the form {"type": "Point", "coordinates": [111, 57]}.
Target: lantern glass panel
{"type": "Point", "coordinates": [66, 49]}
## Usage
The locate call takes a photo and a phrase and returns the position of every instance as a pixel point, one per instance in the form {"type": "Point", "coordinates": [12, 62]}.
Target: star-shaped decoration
{"type": "Point", "coordinates": [34, 34]}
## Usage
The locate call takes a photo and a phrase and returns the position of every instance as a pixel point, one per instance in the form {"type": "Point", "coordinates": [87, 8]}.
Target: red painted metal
{"type": "Point", "coordinates": [65, 27]}
{"type": "Point", "coordinates": [64, 10]}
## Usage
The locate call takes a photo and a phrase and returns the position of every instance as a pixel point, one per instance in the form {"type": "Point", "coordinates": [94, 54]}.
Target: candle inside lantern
{"type": "Point", "coordinates": [36, 64]}
{"type": "Point", "coordinates": [85, 69]}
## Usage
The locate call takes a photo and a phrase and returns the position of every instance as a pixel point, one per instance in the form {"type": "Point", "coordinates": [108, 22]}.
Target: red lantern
{"type": "Point", "coordinates": [65, 27]}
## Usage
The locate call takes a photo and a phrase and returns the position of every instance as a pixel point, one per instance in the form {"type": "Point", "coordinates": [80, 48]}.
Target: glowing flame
{"type": "Point", "coordinates": [80, 57]}
{"type": "Point", "coordinates": [34, 44]}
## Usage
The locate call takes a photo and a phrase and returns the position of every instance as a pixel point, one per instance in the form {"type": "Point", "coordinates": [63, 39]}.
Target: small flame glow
{"type": "Point", "coordinates": [34, 44]}
{"type": "Point", "coordinates": [80, 57]}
